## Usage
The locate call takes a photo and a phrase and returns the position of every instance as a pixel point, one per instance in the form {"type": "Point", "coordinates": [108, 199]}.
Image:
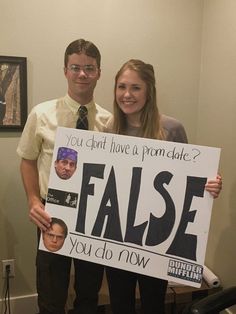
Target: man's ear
{"type": "Point", "coordinates": [99, 73]}
{"type": "Point", "coordinates": [65, 71]}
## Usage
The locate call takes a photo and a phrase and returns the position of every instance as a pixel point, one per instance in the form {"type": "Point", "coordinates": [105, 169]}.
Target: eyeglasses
{"type": "Point", "coordinates": [53, 236]}
{"type": "Point", "coordinates": [88, 69]}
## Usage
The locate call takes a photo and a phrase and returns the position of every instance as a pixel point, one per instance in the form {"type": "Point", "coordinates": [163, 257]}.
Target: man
{"type": "Point", "coordinates": [82, 71]}
{"type": "Point", "coordinates": [54, 237]}
{"type": "Point", "coordinates": [66, 162]}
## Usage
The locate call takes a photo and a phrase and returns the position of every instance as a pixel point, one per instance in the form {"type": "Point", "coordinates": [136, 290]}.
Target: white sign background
{"type": "Point", "coordinates": [127, 155]}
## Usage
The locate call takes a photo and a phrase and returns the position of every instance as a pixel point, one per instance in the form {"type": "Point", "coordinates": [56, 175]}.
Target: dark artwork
{"type": "Point", "coordinates": [62, 198]}
{"type": "Point", "coordinates": [13, 93]}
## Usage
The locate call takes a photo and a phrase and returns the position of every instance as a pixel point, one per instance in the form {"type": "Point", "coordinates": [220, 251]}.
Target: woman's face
{"type": "Point", "coordinates": [131, 95]}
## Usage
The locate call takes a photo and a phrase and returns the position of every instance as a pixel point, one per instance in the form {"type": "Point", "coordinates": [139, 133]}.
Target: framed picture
{"type": "Point", "coordinates": [13, 93]}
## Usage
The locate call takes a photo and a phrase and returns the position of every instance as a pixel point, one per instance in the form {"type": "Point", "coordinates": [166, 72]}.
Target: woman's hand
{"type": "Point", "coordinates": [214, 186]}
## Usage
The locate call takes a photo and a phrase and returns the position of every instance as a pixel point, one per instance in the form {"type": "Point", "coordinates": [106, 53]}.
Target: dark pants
{"type": "Point", "coordinates": [122, 285]}
{"type": "Point", "coordinates": [53, 275]}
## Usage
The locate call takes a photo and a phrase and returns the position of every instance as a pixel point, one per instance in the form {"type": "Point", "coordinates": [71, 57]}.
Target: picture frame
{"type": "Point", "coordinates": [13, 93]}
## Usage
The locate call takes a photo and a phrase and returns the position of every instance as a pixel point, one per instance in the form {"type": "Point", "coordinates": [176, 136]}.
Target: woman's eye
{"type": "Point", "coordinates": [121, 87]}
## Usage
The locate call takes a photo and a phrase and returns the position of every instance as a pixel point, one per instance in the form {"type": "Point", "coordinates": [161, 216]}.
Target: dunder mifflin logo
{"type": "Point", "coordinates": [186, 271]}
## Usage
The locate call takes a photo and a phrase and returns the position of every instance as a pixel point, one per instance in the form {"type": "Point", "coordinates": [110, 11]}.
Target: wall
{"type": "Point", "coordinates": [166, 33]}
{"type": "Point", "coordinates": [216, 127]}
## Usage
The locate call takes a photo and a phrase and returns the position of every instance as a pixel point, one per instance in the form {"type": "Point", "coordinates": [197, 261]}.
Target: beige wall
{"type": "Point", "coordinates": [166, 33]}
{"type": "Point", "coordinates": [216, 127]}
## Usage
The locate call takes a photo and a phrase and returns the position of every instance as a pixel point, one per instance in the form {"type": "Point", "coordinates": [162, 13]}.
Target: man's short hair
{"type": "Point", "coordinates": [82, 46]}
{"type": "Point", "coordinates": [61, 223]}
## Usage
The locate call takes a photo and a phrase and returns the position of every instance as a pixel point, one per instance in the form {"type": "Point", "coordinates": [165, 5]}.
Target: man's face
{"type": "Point", "coordinates": [54, 238]}
{"type": "Point", "coordinates": [81, 83]}
{"type": "Point", "coordinates": [65, 168]}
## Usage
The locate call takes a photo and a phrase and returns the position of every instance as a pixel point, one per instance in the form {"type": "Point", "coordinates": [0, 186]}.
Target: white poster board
{"type": "Point", "coordinates": [135, 204]}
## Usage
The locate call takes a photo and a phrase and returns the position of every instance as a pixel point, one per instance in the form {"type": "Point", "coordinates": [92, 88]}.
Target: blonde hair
{"type": "Point", "coordinates": [150, 117]}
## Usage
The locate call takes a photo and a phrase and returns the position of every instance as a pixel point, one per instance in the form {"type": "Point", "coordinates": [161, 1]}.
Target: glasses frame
{"type": "Point", "coordinates": [88, 69]}
{"type": "Point", "coordinates": [52, 236]}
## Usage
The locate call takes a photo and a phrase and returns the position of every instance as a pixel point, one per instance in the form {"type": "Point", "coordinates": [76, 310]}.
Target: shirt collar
{"type": "Point", "coordinates": [74, 105]}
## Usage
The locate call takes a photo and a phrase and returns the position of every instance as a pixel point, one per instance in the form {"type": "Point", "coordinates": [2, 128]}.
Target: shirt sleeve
{"type": "Point", "coordinates": [173, 129]}
{"type": "Point", "coordinates": [30, 142]}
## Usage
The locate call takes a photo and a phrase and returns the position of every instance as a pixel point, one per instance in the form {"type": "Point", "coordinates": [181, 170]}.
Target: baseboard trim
{"type": "Point", "coordinates": [22, 304]}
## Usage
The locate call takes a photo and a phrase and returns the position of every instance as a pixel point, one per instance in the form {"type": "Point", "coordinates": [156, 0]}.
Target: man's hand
{"type": "Point", "coordinates": [38, 215]}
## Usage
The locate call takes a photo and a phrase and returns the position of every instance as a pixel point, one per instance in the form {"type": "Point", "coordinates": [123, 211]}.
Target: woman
{"type": "Point", "coordinates": [136, 114]}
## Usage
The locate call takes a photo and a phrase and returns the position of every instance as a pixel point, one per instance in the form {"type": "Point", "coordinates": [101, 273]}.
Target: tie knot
{"type": "Point", "coordinates": [83, 111]}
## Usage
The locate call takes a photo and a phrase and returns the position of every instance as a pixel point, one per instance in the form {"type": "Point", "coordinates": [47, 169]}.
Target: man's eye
{"type": "Point", "coordinates": [89, 68]}
{"type": "Point", "coordinates": [75, 68]}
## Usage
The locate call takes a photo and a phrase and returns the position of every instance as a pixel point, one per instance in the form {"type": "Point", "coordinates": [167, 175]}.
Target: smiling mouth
{"type": "Point", "coordinates": [128, 103]}
{"type": "Point", "coordinates": [82, 83]}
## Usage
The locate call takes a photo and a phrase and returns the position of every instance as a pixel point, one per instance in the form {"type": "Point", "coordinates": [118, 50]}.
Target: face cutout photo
{"type": "Point", "coordinates": [54, 237]}
{"type": "Point", "coordinates": [66, 162]}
